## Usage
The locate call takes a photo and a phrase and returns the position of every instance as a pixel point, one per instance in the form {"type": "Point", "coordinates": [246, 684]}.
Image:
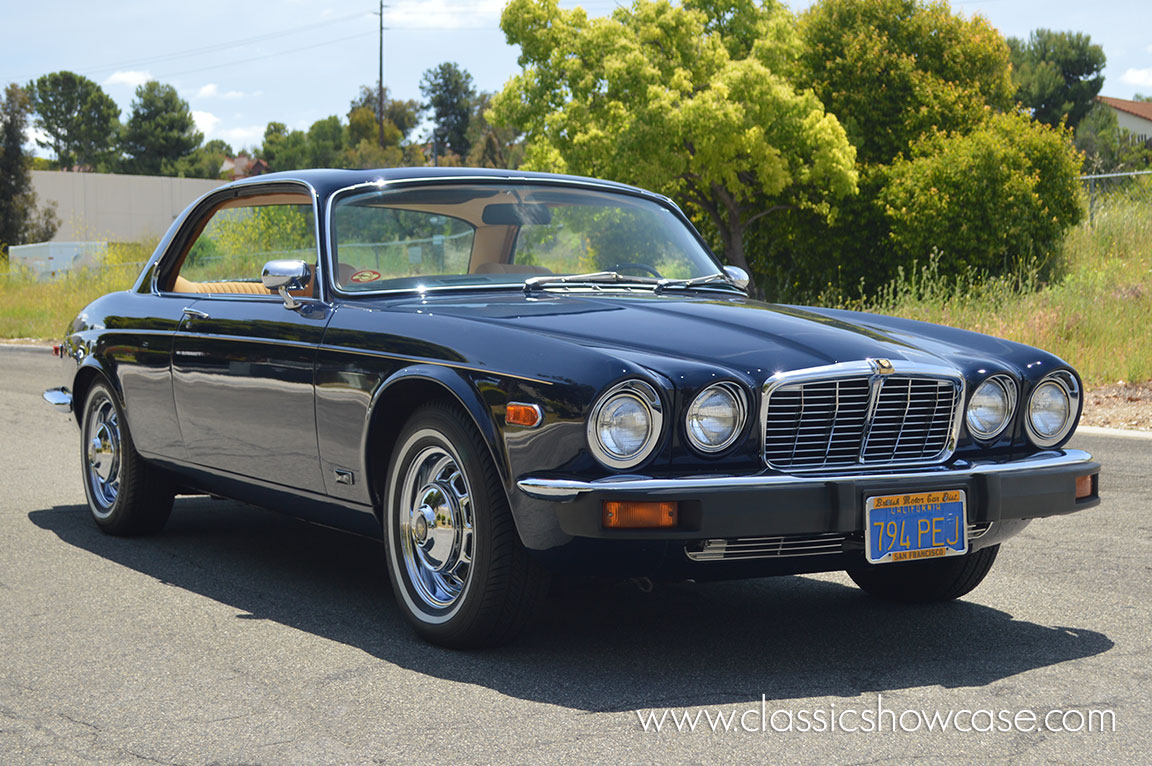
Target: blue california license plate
{"type": "Point", "coordinates": [923, 525]}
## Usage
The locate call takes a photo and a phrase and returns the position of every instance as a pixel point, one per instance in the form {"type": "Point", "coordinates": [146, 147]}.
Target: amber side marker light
{"type": "Point", "coordinates": [527, 415]}
{"type": "Point", "coordinates": [637, 515]}
{"type": "Point", "coordinates": [1086, 486]}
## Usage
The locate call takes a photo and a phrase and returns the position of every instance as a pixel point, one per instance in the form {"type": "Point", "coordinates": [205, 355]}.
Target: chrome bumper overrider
{"type": "Point", "coordinates": [563, 490]}
{"type": "Point", "coordinates": [60, 398]}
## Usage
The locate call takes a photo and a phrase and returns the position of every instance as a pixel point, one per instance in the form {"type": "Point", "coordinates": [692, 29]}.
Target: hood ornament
{"type": "Point", "coordinates": [882, 366]}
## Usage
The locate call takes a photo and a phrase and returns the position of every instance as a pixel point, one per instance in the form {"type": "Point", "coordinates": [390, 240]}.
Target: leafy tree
{"type": "Point", "coordinates": [80, 121]}
{"type": "Point", "coordinates": [284, 149]}
{"type": "Point", "coordinates": [20, 220]}
{"type": "Point", "coordinates": [1057, 74]}
{"type": "Point", "coordinates": [363, 126]}
{"type": "Point", "coordinates": [403, 114]}
{"type": "Point", "coordinates": [493, 146]}
{"type": "Point", "coordinates": [653, 96]}
{"type": "Point", "coordinates": [893, 70]}
{"type": "Point", "coordinates": [989, 200]}
{"type": "Point", "coordinates": [325, 143]}
{"type": "Point", "coordinates": [1107, 147]}
{"type": "Point", "coordinates": [205, 161]}
{"type": "Point", "coordinates": [448, 91]}
{"type": "Point", "coordinates": [160, 132]}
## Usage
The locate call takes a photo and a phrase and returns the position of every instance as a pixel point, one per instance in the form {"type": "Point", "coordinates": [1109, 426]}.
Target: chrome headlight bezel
{"type": "Point", "coordinates": [1066, 383]}
{"type": "Point", "coordinates": [1007, 388]}
{"type": "Point", "coordinates": [638, 391]}
{"type": "Point", "coordinates": [740, 409]}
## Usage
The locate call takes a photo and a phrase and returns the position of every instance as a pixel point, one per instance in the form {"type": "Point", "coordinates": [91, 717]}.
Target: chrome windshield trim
{"type": "Point", "coordinates": [563, 490]}
{"type": "Point", "coordinates": [877, 370]}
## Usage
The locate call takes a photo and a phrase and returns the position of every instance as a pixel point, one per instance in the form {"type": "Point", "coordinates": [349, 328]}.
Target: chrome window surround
{"type": "Point", "coordinates": [1009, 386]}
{"type": "Point", "coordinates": [1067, 381]}
{"type": "Point", "coordinates": [646, 395]}
{"type": "Point", "coordinates": [876, 371]}
{"type": "Point", "coordinates": [741, 398]}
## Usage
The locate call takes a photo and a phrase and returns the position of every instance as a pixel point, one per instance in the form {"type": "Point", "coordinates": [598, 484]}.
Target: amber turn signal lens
{"type": "Point", "coordinates": [1084, 486]}
{"type": "Point", "coordinates": [527, 415]}
{"type": "Point", "coordinates": [621, 515]}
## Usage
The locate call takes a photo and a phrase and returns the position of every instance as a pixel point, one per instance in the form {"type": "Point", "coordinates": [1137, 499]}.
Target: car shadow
{"type": "Point", "coordinates": [605, 648]}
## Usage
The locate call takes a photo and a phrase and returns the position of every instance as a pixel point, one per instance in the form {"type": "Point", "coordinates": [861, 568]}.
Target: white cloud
{"type": "Point", "coordinates": [212, 90]}
{"type": "Point", "coordinates": [131, 78]}
{"type": "Point", "coordinates": [238, 138]}
{"type": "Point", "coordinates": [1138, 77]}
{"type": "Point", "coordinates": [205, 121]}
{"type": "Point", "coordinates": [441, 14]}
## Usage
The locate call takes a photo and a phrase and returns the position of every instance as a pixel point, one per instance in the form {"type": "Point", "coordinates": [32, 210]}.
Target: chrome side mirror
{"type": "Point", "coordinates": [283, 276]}
{"type": "Point", "coordinates": [737, 276]}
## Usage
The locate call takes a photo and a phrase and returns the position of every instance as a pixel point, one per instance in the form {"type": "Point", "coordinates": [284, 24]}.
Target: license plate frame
{"type": "Point", "coordinates": [894, 529]}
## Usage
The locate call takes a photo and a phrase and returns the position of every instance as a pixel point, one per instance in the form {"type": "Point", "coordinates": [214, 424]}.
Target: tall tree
{"type": "Point", "coordinates": [1057, 74]}
{"type": "Point", "coordinates": [448, 93]}
{"type": "Point", "coordinates": [653, 96]}
{"type": "Point", "coordinates": [20, 221]}
{"type": "Point", "coordinates": [284, 149]}
{"type": "Point", "coordinates": [206, 160]}
{"type": "Point", "coordinates": [403, 114]}
{"type": "Point", "coordinates": [325, 142]}
{"type": "Point", "coordinates": [80, 121]}
{"type": "Point", "coordinates": [160, 131]}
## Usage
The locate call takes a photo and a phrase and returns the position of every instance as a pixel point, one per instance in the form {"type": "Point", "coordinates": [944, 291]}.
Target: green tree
{"type": "Point", "coordinates": [1107, 147]}
{"type": "Point", "coordinates": [160, 132]}
{"type": "Point", "coordinates": [653, 96]}
{"type": "Point", "coordinates": [403, 114]}
{"type": "Point", "coordinates": [893, 70]}
{"type": "Point", "coordinates": [988, 200]}
{"type": "Point", "coordinates": [449, 94]}
{"type": "Point", "coordinates": [1057, 74]}
{"type": "Point", "coordinates": [20, 220]}
{"type": "Point", "coordinates": [363, 126]}
{"type": "Point", "coordinates": [325, 143]}
{"type": "Point", "coordinates": [284, 149]}
{"type": "Point", "coordinates": [205, 161]}
{"type": "Point", "coordinates": [493, 146]}
{"type": "Point", "coordinates": [80, 121]}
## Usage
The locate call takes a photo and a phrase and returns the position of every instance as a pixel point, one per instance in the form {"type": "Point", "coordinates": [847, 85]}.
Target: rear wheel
{"type": "Point", "coordinates": [126, 495]}
{"type": "Point", "coordinates": [460, 573]}
{"type": "Point", "coordinates": [926, 581]}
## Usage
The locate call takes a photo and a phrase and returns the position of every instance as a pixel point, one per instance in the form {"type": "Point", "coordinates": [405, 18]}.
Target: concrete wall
{"type": "Point", "coordinates": [115, 208]}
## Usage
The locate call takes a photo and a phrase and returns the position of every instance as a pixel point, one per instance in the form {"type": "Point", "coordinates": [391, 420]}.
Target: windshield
{"type": "Point", "coordinates": [486, 234]}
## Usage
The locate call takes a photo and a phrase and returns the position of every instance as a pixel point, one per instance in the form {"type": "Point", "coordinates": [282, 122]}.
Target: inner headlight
{"type": "Point", "coordinates": [716, 417]}
{"type": "Point", "coordinates": [1052, 408]}
{"type": "Point", "coordinates": [991, 406]}
{"type": "Point", "coordinates": [625, 424]}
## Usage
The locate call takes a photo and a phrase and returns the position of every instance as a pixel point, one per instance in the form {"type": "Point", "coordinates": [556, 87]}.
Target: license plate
{"type": "Point", "coordinates": [916, 526]}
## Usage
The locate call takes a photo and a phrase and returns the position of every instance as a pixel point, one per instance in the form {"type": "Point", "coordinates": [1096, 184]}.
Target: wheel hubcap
{"type": "Point", "coordinates": [436, 530]}
{"type": "Point", "coordinates": [103, 447]}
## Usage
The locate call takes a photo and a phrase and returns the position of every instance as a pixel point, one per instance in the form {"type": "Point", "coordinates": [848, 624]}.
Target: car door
{"type": "Point", "coordinates": [242, 361]}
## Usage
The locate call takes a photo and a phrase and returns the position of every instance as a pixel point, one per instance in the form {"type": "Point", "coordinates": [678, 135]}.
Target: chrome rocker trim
{"type": "Point", "coordinates": [60, 398]}
{"type": "Point", "coordinates": [564, 490]}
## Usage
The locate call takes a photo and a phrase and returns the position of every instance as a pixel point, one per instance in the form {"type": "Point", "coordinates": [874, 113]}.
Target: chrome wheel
{"type": "Point", "coordinates": [435, 522]}
{"type": "Point", "coordinates": [103, 441]}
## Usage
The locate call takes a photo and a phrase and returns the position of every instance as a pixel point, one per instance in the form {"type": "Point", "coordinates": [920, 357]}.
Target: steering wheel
{"type": "Point", "coordinates": [638, 267]}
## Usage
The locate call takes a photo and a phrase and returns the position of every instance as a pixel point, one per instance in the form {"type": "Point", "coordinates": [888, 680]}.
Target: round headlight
{"type": "Point", "coordinates": [1052, 408]}
{"type": "Point", "coordinates": [991, 406]}
{"type": "Point", "coordinates": [716, 417]}
{"type": "Point", "coordinates": [625, 424]}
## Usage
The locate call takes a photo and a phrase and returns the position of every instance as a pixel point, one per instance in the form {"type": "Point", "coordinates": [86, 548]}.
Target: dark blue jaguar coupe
{"type": "Point", "coordinates": [505, 375]}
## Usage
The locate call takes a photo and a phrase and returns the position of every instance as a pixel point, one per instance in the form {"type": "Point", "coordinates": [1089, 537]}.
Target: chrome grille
{"type": "Point", "coordinates": [860, 420]}
{"type": "Point", "coordinates": [784, 546]}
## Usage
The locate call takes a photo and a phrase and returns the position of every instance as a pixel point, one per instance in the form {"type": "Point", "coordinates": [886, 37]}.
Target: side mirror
{"type": "Point", "coordinates": [737, 276]}
{"type": "Point", "coordinates": [283, 276]}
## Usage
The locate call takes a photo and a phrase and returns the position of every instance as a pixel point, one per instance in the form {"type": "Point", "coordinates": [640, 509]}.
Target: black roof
{"type": "Point", "coordinates": [327, 180]}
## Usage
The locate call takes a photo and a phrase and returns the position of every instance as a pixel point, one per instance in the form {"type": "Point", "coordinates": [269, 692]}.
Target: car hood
{"type": "Point", "coordinates": [735, 332]}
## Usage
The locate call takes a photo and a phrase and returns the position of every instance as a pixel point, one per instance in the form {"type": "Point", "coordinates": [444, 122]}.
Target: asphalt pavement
{"type": "Point", "coordinates": [242, 636]}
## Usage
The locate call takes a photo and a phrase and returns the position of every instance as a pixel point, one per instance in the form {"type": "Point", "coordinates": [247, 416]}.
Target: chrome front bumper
{"type": "Point", "coordinates": [60, 398]}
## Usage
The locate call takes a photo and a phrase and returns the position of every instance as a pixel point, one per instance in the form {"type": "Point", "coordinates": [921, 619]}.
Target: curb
{"type": "Point", "coordinates": [1116, 432]}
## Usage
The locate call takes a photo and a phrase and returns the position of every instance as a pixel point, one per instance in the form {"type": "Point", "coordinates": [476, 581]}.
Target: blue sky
{"type": "Point", "coordinates": [243, 63]}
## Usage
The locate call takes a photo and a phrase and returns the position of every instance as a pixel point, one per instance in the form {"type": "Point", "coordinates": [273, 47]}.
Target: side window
{"type": "Point", "coordinates": [376, 244]}
{"type": "Point", "coordinates": [240, 237]}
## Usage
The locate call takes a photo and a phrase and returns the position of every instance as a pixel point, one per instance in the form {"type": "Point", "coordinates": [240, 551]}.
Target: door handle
{"type": "Point", "coordinates": [195, 313]}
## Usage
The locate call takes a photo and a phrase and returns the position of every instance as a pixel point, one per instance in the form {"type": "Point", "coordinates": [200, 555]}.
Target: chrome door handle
{"type": "Point", "coordinates": [195, 313]}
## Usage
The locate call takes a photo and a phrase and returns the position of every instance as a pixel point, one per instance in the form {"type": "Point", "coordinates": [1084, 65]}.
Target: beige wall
{"type": "Point", "coordinates": [115, 208]}
{"type": "Point", "coordinates": [1138, 126]}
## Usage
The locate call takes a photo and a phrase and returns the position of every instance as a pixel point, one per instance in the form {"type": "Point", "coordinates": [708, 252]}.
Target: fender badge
{"type": "Point", "coordinates": [883, 366]}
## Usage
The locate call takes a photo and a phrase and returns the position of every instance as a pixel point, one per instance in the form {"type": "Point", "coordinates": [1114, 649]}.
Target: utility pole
{"type": "Point", "coordinates": [380, 81]}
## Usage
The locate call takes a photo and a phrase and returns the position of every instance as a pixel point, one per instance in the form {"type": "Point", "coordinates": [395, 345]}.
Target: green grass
{"type": "Point", "coordinates": [1097, 315]}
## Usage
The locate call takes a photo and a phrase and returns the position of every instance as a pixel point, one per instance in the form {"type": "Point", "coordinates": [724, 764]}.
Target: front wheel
{"type": "Point", "coordinates": [926, 581]}
{"type": "Point", "coordinates": [126, 495]}
{"type": "Point", "coordinates": [458, 569]}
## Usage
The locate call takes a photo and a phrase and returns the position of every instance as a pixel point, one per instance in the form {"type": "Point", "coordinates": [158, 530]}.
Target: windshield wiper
{"type": "Point", "coordinates": [595, 277]}
{"type": "Point", "coordinates": [663, 284]}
